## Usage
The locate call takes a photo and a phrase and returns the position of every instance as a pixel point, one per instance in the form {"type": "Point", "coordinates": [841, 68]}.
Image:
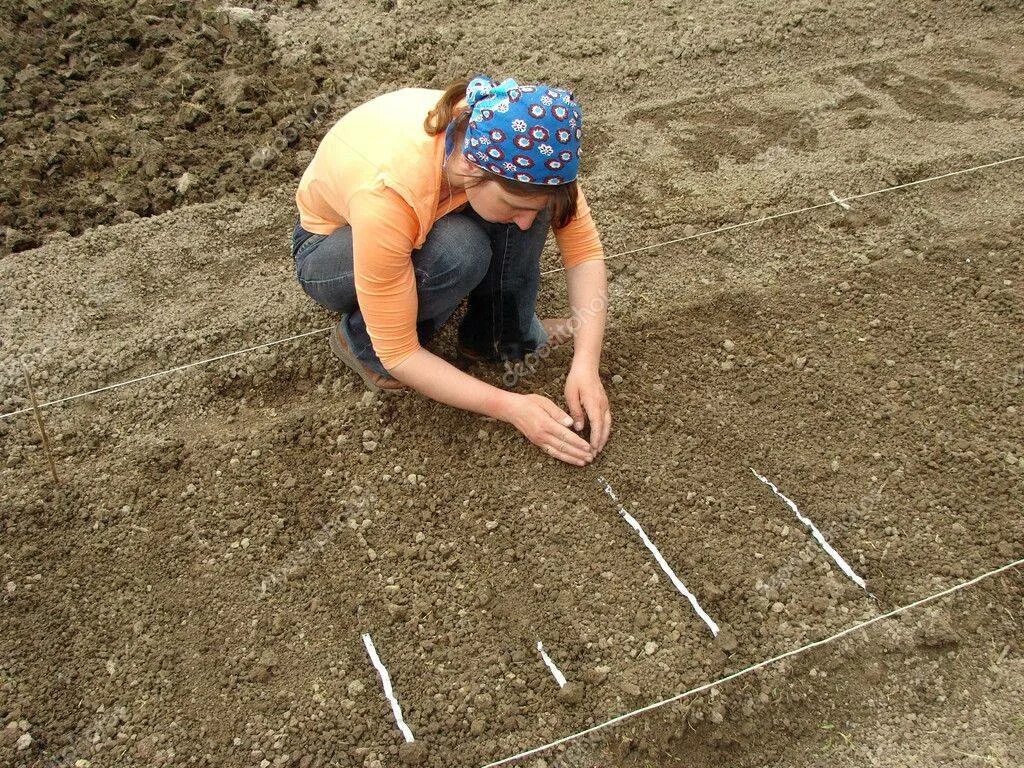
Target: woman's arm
{"type": "Point", "coordinates": [584, 392]}
{"type": "Point", "coordinates": [587, 278]}
{"type": "Point", "coordinates": [588, 297]}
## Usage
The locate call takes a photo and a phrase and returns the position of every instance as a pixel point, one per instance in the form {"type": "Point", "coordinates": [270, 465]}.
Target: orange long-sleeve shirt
{"type": "Point", "coordinates": [379, 171]}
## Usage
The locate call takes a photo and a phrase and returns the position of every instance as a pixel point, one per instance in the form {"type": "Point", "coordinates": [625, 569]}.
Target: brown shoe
{"type": "Point", "coordinates": [373, 380]}
{"type": "Point", "coordinates": [469, 354]}
{"type": "Point", "coordinates": [559, 330]}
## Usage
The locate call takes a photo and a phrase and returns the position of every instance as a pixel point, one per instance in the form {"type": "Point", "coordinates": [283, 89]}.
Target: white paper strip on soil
{"type": "Point", "coordinates": [843, 565]}
{"type": "Point", "coordinates": [838, 200]}
{"type": "Point", "coordinates": [552, 667]}
{"type": "Point", "coordinates": [385, 681]}
{"type": "Point", "coordinates": [676, 582]}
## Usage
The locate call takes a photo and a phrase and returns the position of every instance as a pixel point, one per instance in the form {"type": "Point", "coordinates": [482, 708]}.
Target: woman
{"type": "Point", "coordinates": [396, 228]}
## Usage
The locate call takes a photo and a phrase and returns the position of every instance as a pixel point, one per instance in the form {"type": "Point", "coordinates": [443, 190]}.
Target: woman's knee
{"type": "Point", "coordinates": [459, 249]}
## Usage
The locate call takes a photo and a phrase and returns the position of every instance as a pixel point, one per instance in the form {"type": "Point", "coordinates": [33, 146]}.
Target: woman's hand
{"type": "Point", "coordinates": [548, 427]}
{"type": "Point", "coordinates": [585, 395]}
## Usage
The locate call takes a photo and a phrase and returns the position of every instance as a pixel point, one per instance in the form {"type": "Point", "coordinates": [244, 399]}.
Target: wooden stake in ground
{"type": "Point", "coordinates": [39, 421]}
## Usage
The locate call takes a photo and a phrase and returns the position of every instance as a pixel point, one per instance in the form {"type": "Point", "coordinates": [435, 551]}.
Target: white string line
{"type": "Point", "coordinates": [547, 272]}
{"type": "Point", "coordinates": [805, 209]}
{"type": "Point", "coordinates": [755, 667]}
{"type": "Point", "coordinates": [169, 370]}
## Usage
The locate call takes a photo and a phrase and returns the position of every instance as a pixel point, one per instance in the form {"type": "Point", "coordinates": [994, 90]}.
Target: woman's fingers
{"type": "Point", "coordinates": [600, 425]}
{"type": "Point", "coordinates": [576, 407]}
{"type": "Point", "coordinates": [555, 440]}
{"type": "Point", "coordinates": [571, 440]}
{"type": "Point", "coordinates": [607, 428]}
{"type": "Point", "coordinates": [566, 457]}
{"type": "Point", "coordinates": [557, 413]}
{"type": "Point", "coordinates": [564, 441]}
{"type": "Point", "coordinates": [596, 417]}
{"type": "Point", "coordinates": [558, 439]}
{"type": "Point", "coordinates": [561, 428]}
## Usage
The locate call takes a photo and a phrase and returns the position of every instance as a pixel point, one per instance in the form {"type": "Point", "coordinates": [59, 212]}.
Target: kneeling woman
{"type": "Point", "coordinates": [418, 199]}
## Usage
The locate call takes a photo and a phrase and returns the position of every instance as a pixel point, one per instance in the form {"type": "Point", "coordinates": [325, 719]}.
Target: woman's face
{"type": "Point", "coordinates": [494, 204]}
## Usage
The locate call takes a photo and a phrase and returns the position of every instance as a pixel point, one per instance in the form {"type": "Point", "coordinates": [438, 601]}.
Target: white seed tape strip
{"type": "Point", "coordinates": [552, 667]}
{"type": "Point", "coordinates": [845, 566]}
{"type": "Point", "coordinates": [707, 233]}
{"type": "Point", "coordinates": [753, 667]}
{"type": "Point", "coordinates": [385, 681]}
{"type": "Point", "coordinates": [676, 582]}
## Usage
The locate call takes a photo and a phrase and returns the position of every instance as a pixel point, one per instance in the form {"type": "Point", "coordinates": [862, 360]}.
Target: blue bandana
{"type": "Point", "coordinates": [528, 133]}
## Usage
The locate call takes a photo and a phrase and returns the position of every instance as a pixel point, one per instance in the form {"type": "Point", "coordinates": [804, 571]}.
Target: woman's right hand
{"type": "Point", "coordinates": [549, 427]}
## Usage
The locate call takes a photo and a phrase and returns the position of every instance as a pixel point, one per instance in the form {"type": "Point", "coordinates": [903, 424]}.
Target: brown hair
{"type": "Point", "coordinates": [562, 196]}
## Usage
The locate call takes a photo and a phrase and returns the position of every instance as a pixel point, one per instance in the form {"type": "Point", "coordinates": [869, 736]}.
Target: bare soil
{"type": "Point", "coordinates": [194, 589]}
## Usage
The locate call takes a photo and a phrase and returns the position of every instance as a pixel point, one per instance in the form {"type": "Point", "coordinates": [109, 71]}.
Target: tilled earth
{"type": "Point", "coordinates": [194, 588]}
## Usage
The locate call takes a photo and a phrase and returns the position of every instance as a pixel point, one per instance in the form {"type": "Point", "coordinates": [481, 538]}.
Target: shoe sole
{"type": "Point", "coordinates": [354, 363]}
{"type": "Point", "coordinates": [468, 356]}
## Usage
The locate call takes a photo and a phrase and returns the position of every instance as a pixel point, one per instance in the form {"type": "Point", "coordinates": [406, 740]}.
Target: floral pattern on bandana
{"type": "Point", "coordinates": [515, 130]}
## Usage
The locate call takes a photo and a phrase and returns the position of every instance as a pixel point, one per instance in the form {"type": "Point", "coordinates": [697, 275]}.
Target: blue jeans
{"type": "Point", "coordinates": [495, 266]}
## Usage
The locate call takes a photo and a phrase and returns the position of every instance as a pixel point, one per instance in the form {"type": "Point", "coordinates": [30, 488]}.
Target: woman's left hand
{"type": "Point", "coordinates": [585, 396]}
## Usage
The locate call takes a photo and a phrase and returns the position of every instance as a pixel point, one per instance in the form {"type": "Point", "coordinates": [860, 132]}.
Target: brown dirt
{"type": "Point", "coordinates": [116, 110]}
{"type": "Point", "coordinates": [194, 590]}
